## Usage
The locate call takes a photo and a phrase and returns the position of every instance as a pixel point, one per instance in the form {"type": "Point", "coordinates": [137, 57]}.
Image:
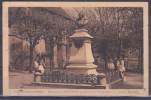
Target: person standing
{"type": "Point", "coordinates": [115, 62]}
{"type": "Point", "coordinates": [110, 65]}
{"type": "Point", "coordinates": [41, 69]}
{"type": "Point", "coordinates": [120, 67]}
{"type": "Point", "coordinates": [39, 64]}
{"type": "Point", "coordinates": [36, 63]}
{"type": "Point", "coordinates": [42, 61]}
{"type": "Point", "coordinates": [42, 64]}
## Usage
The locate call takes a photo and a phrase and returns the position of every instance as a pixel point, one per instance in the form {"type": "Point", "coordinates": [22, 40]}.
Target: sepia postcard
{"type": "Point", "coordinates": [75, 49]}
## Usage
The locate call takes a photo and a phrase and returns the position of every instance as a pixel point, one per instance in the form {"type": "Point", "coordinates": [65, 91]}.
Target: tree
{"type": "Point", "coordinates": [116, 31]}
{"type": "Point", "coordinates": [54, 36]}
{"type": "Point", "coordinates": [134, 28]}
{"type": "Point", "coordinates": [27, 26]}
{"type": "Point", "coordinates": [101, 27]}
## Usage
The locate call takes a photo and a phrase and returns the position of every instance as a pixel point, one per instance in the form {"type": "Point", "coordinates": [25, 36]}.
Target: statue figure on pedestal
{"type": "Point", "coordinates": [81, 21]}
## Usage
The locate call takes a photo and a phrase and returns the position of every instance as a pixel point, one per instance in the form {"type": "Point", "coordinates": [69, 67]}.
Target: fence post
{"type": "Point", "coordinates": [37, 77]}
{"type": "Point", "coordinates": [101, 79]}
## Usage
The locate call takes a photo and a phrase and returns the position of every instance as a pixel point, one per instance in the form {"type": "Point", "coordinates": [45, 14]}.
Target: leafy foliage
{"type": "Point", "coordinates": [117, 31]}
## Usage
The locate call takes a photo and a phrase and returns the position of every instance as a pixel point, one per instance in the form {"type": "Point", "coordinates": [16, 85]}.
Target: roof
{"type": "Point", "coordinates": [60, 11]}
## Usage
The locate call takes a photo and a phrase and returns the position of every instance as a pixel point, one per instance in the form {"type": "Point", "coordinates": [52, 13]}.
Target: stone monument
{"type": "Point", "coordinates": [81, 69]}
{"type": "Point", "coordinates": [81, 58]}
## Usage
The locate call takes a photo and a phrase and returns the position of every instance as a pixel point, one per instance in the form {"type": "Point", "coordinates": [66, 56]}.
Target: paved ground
{"type": "Point", "coordinates": [133, 81]}
{"type": "Point", "coordinates": [18, 80]}
{"type": "Point", "coordinates": [23, 80]}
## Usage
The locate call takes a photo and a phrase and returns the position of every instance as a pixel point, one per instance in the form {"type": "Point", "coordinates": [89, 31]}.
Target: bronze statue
{"type": "Point", "coordinates": [81, 21]}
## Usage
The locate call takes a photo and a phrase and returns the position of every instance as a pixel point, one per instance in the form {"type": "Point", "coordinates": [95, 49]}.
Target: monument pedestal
{"type": "Point", "coordinates": [81, 58]}
{"type": "Point", "coordinates": [82, 69]}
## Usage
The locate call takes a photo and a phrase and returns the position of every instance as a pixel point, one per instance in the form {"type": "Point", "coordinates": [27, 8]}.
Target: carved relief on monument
{"type": "Point", "coordinates": [78, 43]}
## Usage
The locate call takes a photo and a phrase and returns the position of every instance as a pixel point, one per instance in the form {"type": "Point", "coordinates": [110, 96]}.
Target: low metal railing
{"type": "Point", "coordinates": [70, 78]}
{"type": "Point", "coordinates": [57, 77]}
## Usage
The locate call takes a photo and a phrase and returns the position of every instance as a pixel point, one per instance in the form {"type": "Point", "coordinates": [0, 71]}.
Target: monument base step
{"type": "Point", "coordinates": [79, 86]}
{"type": "Point", "coordinates": [69, 86]}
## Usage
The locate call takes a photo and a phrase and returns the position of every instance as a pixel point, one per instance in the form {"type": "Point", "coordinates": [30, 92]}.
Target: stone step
{"type": "Point", "coordinates": [79, 86]}
{"type": "Point", "coordinates": [68, 85]}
